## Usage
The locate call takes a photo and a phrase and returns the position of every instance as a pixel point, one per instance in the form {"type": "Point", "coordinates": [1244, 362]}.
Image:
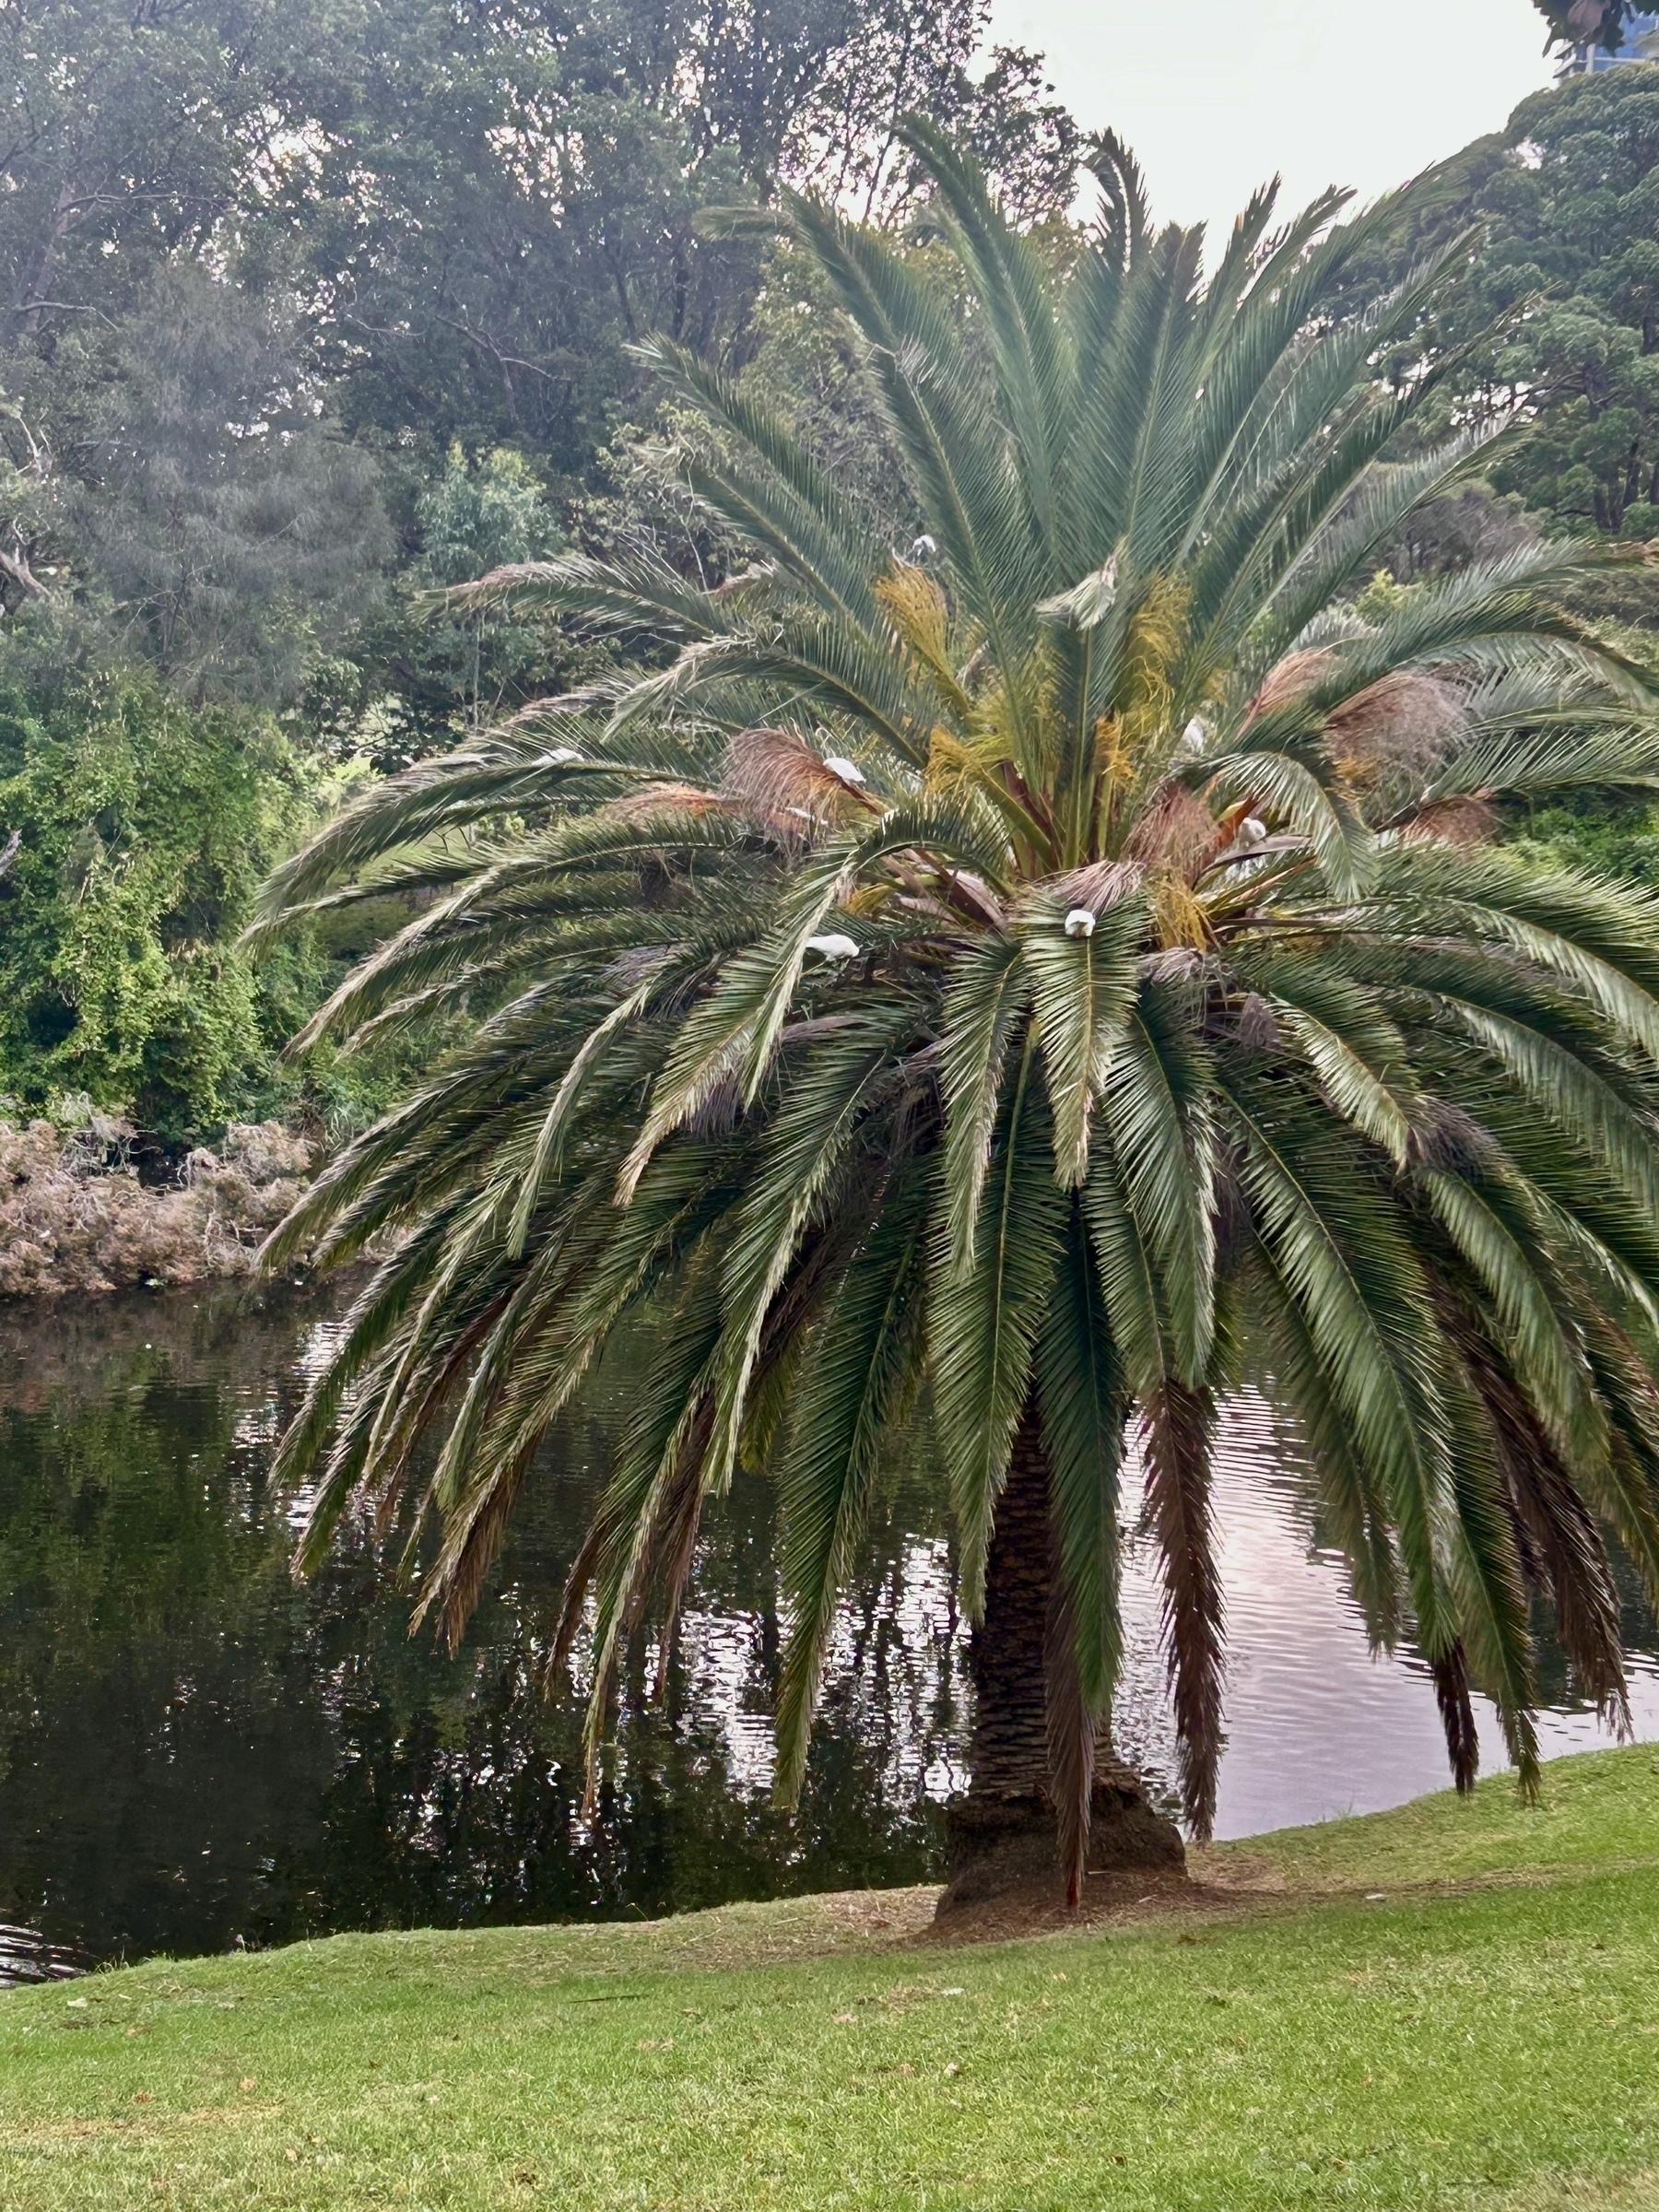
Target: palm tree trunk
{"type": "Point", "coordinates": [1010, 1720]}
{"type": "Point", "coordinates": [1005, 1834]}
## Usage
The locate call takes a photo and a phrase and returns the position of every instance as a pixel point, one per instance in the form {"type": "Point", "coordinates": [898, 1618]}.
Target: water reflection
{"type": "Point", "coordinates": [194, 1751]}
{"type": "Point", "coordinates": [1315, 1726]}
{"type": "Point", "coordinates": [27, 1956]}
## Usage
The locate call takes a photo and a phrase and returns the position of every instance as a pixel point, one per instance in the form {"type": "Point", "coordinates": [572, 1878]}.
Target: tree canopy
{"type": "Point", "coordinates": [312, 309]}
{"type": "Point", "coordinates": [1037, 978]}
{"type": "Point", "coordinates": [1557, 310]}
{"type": "Point", "coordinates": [1602, 23]}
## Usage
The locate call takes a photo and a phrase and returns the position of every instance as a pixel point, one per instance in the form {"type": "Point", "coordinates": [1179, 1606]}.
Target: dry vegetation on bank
{"type": "Point", "coordinates": [74, 1216]}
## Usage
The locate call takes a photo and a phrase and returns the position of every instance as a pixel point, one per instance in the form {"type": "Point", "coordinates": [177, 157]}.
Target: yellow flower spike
{"type": "Point", "coordinates": [868, 898]}
{"type": "Point", "coordinates": [1113, 762]}
{"type": "Point", "coordinates": [920, 614]}
{"type": "Point", "coordinates": [1178, 913]}
{"type": "Point", "coordinates": [917, 609]}
{"type": "Point", "coordinates": [1158, 632]}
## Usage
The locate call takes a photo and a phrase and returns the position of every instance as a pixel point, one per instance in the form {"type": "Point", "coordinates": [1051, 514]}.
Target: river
{"type": "Point", "coordinates": [197, 1753]}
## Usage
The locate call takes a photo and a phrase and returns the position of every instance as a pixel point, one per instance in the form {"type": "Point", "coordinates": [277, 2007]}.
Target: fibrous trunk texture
{"type": "Point", "coordinates": [1011, 1831]}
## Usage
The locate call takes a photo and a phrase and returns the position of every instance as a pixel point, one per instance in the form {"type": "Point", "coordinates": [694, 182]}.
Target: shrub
{"type": "Point", "coordinates": [145, 825]}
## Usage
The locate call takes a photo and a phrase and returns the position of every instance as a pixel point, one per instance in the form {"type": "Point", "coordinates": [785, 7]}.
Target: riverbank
{"type": "Point", "coordinates": [75, 1218]}
{"type": "Point", "coordinates": [1448, 2005]}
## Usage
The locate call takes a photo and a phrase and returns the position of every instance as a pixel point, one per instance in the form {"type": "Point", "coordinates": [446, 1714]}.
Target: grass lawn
{"type": "Point", "coordinates": [1483, 2033]}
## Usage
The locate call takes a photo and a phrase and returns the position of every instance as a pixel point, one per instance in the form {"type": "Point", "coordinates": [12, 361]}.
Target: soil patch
{"type": "Point", "coordinates": [1111, 1899]}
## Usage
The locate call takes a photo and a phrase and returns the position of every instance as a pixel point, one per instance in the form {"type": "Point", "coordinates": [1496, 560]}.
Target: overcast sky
{"type": "Point", "coordinates": [1216, 95]}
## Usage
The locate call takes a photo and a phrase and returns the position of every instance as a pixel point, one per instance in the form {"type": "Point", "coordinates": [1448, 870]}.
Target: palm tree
{"type": "Point", "coordinates": [1033, 985]}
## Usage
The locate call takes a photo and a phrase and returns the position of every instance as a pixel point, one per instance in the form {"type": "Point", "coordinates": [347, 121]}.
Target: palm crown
{"type": "Point", "coordinates": [1034, 986]}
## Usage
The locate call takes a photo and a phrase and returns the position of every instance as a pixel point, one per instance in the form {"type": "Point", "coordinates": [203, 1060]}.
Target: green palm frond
{"type": "Point", "coordinates": [863, 1355]}
{"type": "Point", "coordinates": [984, 1324]}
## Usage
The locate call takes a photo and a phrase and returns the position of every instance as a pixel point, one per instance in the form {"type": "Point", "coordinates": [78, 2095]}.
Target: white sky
{"type": "Point", "coordinates": [1214, 96]}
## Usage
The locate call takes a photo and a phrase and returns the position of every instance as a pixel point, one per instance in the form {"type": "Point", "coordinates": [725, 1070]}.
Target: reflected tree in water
{"type": "Point", "coordinates": [194, 1750]}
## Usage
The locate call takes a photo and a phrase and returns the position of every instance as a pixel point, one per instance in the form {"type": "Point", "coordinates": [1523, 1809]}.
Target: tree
{"type": "Point", "coordinates": [917, 57]}
{"type": "Point", "coordinates": [535, 174]}
{"type": "Point", "coordinates": [270, 269]}
{"type": "Point", "coordinates": [225, 526]}
{"type": "Point", "coordinates": [129, 134]}
{"type": "Point", "coordinates": [1033, 982]}
{"type": "Point", "coordinates": [1587, 22]}
{"type": "Point", "coordinates": [143, 830]}
{"type": "Point", "coordinates": [135, 143]}
{"type": "Point", "coordinates": [539, 173]}
{"type": "Point", "coordinates": [1557, 310]}
{"type": "Point", "coordinates": [413, 678]}
{"type": "Point", "coordinates": [257, 256]}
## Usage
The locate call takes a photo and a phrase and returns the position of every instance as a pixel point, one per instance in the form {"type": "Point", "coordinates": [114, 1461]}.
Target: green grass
{"type": "Point", "coordinates": [1484, 2034]}
{"type": "Point", "coordinates": [1600, 1810]}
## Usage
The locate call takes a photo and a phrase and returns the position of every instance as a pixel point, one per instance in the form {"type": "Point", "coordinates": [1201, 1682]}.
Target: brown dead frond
{"type": "Point", "coordinates": [776, 774]}
{"type": "Point", "coordinates": [1099, 886]}
{"type": "Point", "coordinates": [664, 798]}
{"type": "Point", "coordinates": [1399, 726]}
{"type": "Point", "coordinates": [716, 1112]}
{"type": "Point", "coordinates": [1291, 679]}
{"type": "Point", "coordinates": [1178, 1431]}
{"type": "Point", "coordinates": [1463, 819]}
{"type": "Point", "coordinates": [1177, 834]}
{"type": "Point", "coordinates": [971, 891]}
{"type": "Point", "coordinates": [1258, 1029]}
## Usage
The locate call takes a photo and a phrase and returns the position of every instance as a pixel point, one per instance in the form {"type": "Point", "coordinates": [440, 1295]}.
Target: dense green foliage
{"type": "Point", "coordinates": [451, 224]}
{"type": "Point", "coordinates": [1483, 2042]}
{"type": "Point", "coordinates": [1554, 329]}
{"type": "Point", "coordinates": [314, 308]}
{"type": "Point", "coordinates": [286, 286]}
{"type": "Point", "coordinates": [146, 827]}
{"type": "Point", "coordinates": [1048, 979]}
{"type": "Point", "coordinates": [1559, 304]}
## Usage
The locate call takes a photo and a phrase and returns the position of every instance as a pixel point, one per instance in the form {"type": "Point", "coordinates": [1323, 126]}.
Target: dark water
{"type": "Point", "coordinates": [195, 1752]}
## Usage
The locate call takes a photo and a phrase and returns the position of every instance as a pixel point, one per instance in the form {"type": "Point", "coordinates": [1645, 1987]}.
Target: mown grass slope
{"type": "Point", "coordinates": [1482, 2033]}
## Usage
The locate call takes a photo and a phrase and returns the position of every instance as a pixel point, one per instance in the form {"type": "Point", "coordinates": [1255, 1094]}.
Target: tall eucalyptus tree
{"type": "Point", "coordinates": [1031, 984]}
